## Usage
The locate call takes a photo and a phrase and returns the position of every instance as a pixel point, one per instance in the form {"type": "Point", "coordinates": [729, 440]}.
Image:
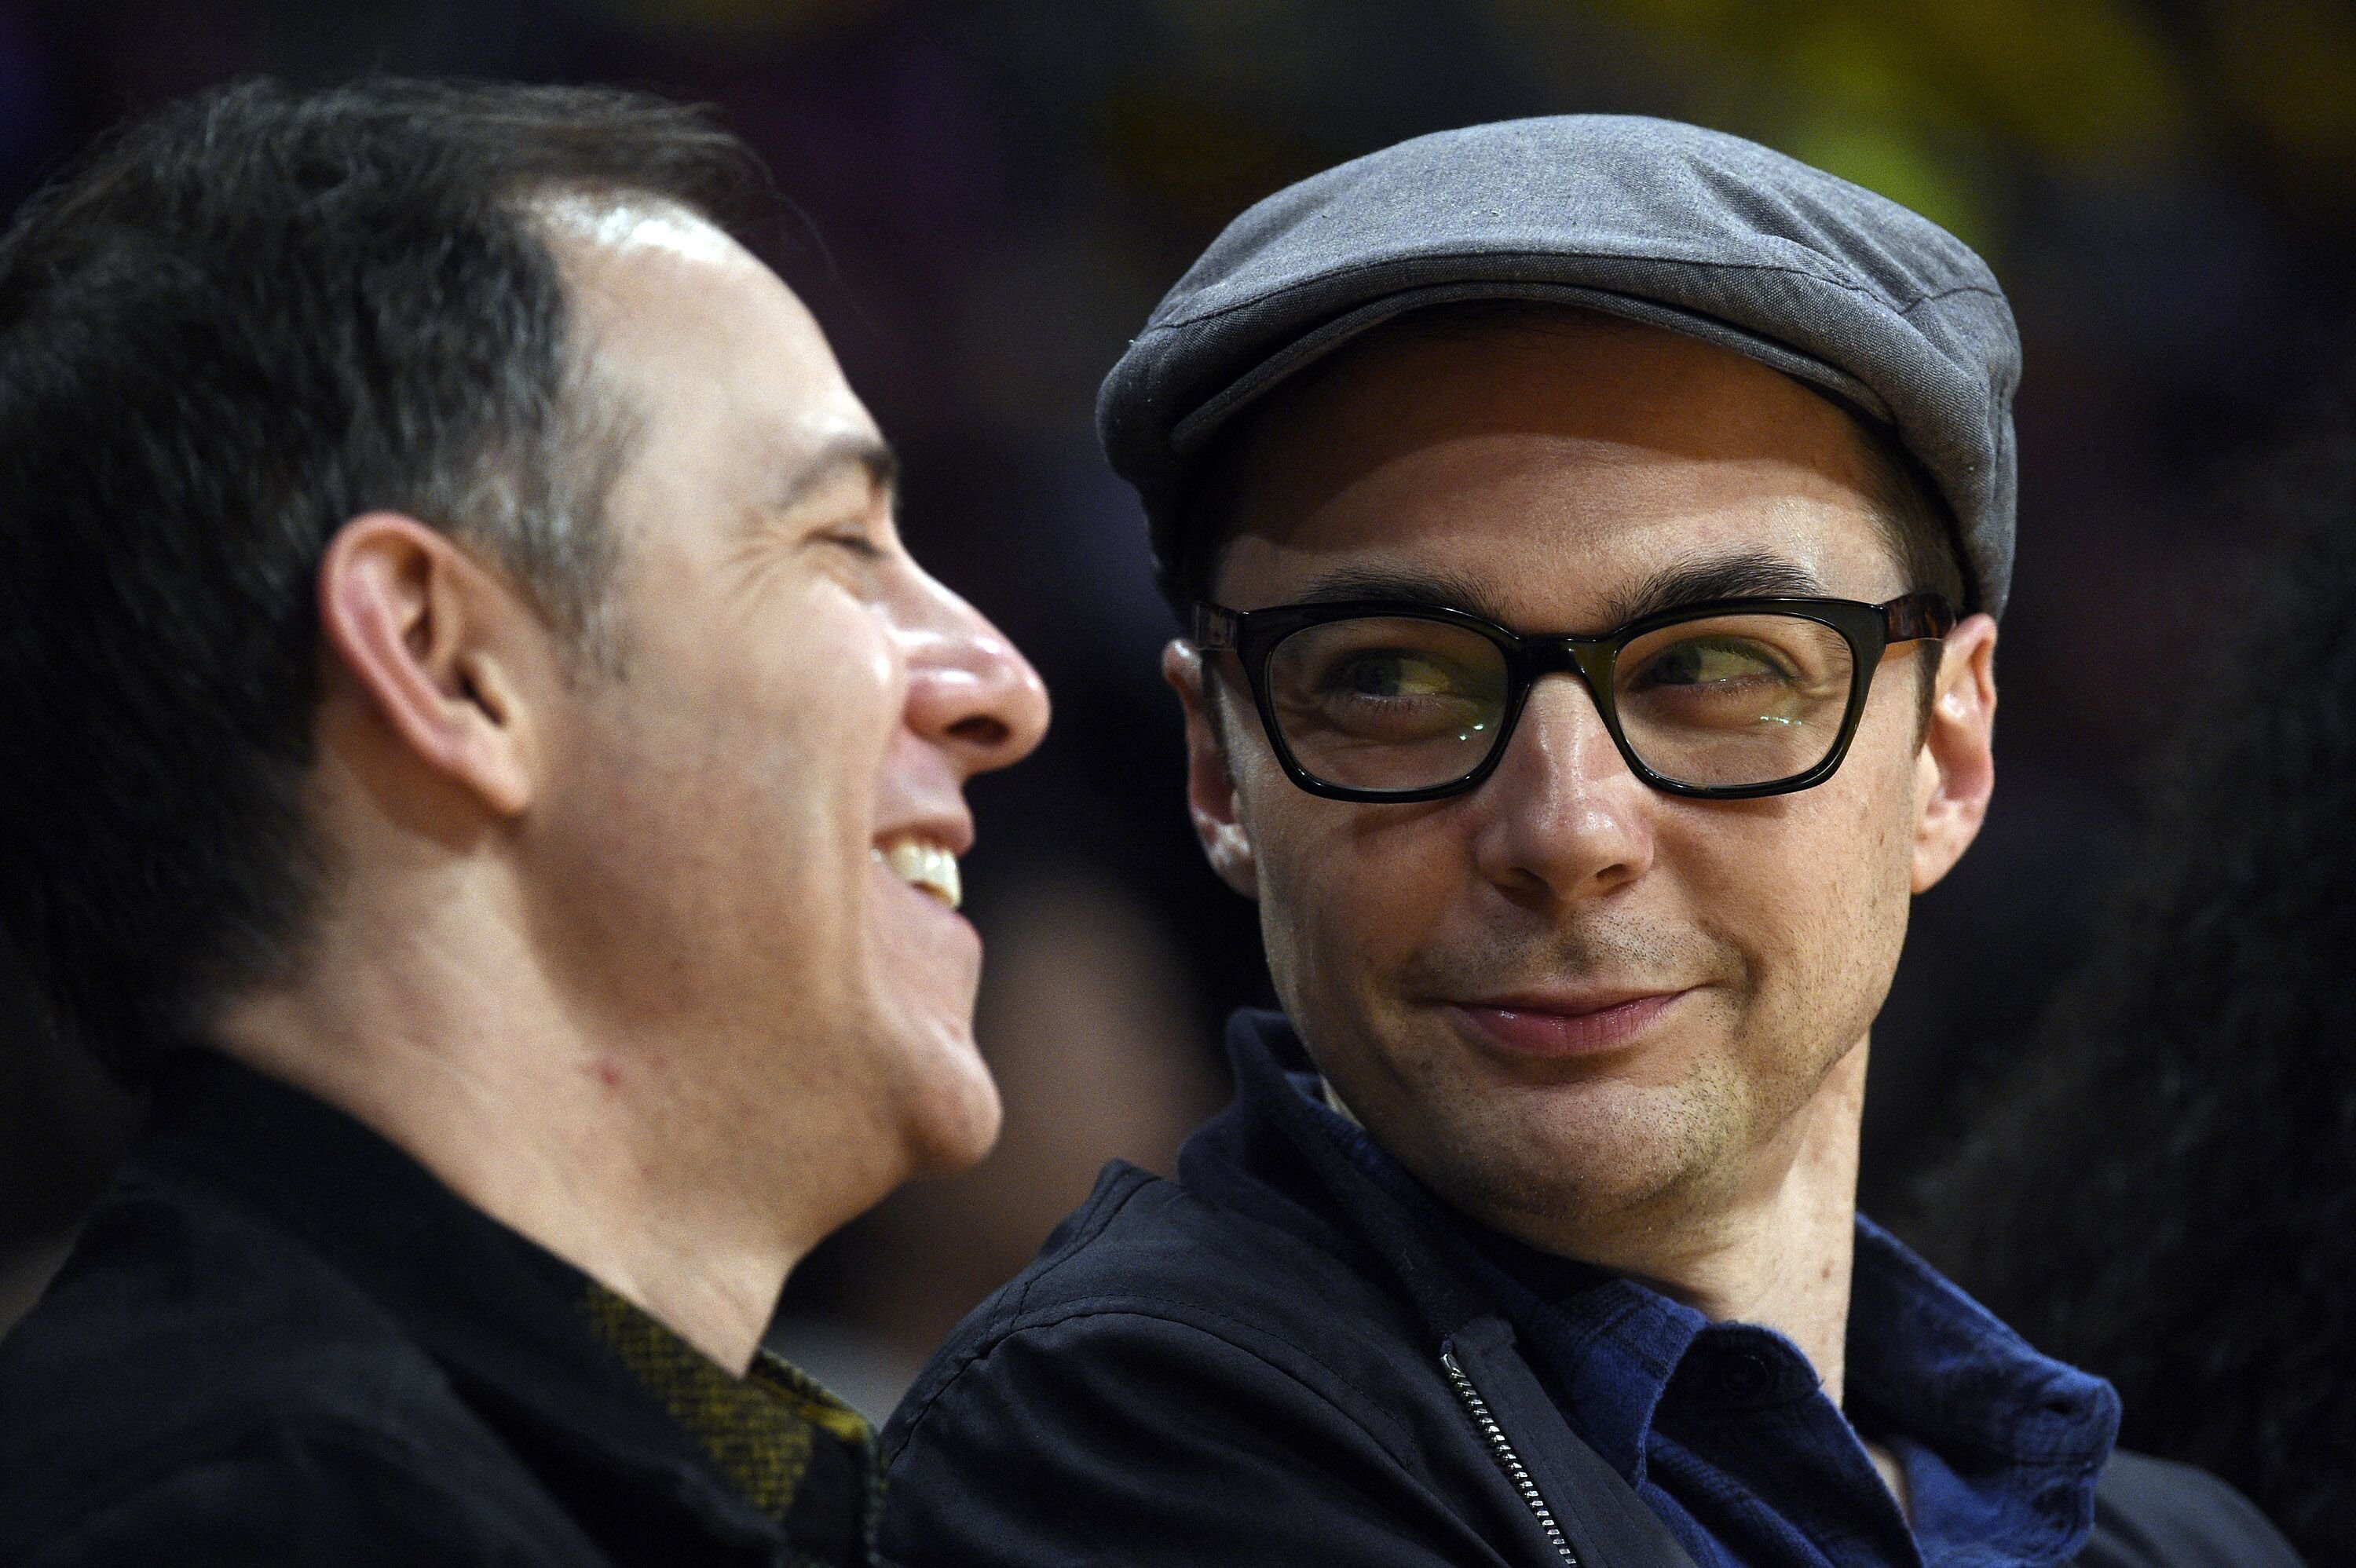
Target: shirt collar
{"type": "Point", "coordinates": [788, 1446]}
{"type": "Point", "coordinates": [499, 1312]}
{"type": "Point", "coordinates": [2001, 1445]}
{"type": "Point", "coordinates": [1608, 1345]}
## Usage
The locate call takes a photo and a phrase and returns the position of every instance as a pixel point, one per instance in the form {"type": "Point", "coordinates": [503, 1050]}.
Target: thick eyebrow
{"type": "Point", "coordinates": [1750, 575]}
{"type": "Point", "coordinates": [1440, 587]}
{"type": "Point", "coordinates": [847, 452]}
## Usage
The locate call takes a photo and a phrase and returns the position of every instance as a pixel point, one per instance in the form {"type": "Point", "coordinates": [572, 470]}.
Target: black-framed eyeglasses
{"type": "Point", "coordinates": [1397, 700]}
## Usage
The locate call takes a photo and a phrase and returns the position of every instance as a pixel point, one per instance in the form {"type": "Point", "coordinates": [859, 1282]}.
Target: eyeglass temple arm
{"type": "Point", "coordinates": [1917, 616]}
{"type": "Point", "coordinates": [1215, 627]}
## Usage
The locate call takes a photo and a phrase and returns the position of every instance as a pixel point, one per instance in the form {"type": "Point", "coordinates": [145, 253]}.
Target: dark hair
{"type": "Point", "coordinates": [1914, 518]}
{"type": "Point", "coordinates": [229, 329]}
{"type": "Point", "coordinates": [2166, 1191]}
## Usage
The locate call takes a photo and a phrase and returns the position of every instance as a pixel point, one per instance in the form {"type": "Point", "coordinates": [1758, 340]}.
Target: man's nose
{"type": "Point", "coordinates": [1562, 818]}
{"type": "Point", "coordinates": [971, 692]}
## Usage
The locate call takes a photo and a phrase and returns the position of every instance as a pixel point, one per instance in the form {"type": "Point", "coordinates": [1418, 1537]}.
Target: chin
{"type": "Point", "coordinates": [1581, 1159]}
{"type": "Point", "coordinates": [953, 1113]}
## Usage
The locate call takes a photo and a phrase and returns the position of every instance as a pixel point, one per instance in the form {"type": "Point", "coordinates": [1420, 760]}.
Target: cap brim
{"type": "Point", "coordinates": [1190, 434]}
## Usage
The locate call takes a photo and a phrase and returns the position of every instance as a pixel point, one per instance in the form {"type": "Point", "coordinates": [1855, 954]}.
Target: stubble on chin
{"type": "Point", "coordinates": [1585, 1166]}
{"type": "Point", "coordinates": [1567, 1156]}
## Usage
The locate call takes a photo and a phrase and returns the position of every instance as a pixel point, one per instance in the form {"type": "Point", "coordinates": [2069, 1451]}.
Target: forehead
{"type": "Point", "coordinates": [1552, 459]}
{"type": "Point", "coordinates": [700, 338]}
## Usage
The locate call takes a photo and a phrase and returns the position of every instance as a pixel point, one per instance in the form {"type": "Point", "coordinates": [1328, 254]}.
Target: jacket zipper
{"type": "Point", "coordinates": [1507, 1460]}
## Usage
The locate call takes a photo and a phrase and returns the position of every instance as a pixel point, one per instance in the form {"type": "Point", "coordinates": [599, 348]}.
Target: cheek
{"type": "Point", "coordinates": [827, 698]}
{"type": "Point", "coordinates": [760, 752]}
{"type": "Point", "coordinates": [1812, 887]}
{"type": "Point", "coordinates": [1347, 893]}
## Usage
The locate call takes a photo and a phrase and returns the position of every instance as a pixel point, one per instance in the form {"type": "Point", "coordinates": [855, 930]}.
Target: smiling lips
{"type": "Point", "coordinates": [1559, 1029]}
{"type": "Point", "coordinates": [927, 867]}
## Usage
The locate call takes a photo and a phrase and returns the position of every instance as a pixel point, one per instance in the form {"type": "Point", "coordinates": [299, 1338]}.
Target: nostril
{"type": "Point", "coordinates": [982, 731]}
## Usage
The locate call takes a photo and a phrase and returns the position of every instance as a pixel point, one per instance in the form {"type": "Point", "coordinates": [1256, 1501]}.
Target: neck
{"type": "Point", "coordinates": [434, 1026]}
{"type": "Point", "coordinates": [1778, 1250]}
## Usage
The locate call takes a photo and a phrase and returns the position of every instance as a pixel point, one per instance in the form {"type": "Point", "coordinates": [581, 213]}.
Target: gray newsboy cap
{"type": "Point", "coordinates": [1690, 229]}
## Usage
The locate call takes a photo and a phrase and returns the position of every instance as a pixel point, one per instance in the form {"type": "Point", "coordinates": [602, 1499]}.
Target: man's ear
{"type": "Point", "coordinates": [424, 632]}
{"type": "Point", "coordinates": [1210, 790]}
{"type": "Point", "coordinates": [1954, 772]}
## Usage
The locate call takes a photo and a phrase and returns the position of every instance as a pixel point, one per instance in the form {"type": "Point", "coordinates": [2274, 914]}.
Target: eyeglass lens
{"type": "Point", "coordinates": [1403, 703]}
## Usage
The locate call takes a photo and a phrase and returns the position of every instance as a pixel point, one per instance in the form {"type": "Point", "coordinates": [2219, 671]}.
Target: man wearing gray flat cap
{"type": "Point", "coordinates": [1590, 533]}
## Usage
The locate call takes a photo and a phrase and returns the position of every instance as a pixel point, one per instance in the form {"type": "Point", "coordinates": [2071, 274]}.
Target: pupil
{"type": "Point", "coordinates": [1392, 675]}
{"type": "Point", "coordinates": [1699, 663]}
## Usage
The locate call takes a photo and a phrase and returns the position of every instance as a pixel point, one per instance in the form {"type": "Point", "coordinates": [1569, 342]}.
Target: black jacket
{"type": "Point", "coordinates": [280, 1340]}
{"type": "Point", "coordinates": [1265, 1363]}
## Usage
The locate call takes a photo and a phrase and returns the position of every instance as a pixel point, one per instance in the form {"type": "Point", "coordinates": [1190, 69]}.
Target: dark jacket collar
{"type": "Point", "coordinates": [1270, 1153]}
{"type": "Point", "coordinates": [2028, 1434]}
{"type": "Point", "coordinates": [499, 1313]}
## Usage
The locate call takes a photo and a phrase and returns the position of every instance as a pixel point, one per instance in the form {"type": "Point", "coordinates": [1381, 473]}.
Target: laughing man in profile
{"type": "Point", "coordinates": [478, 750]}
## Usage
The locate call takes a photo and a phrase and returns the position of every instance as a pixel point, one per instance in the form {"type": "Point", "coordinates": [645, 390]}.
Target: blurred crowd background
{"type": "Point", "coordinates": [989, 196]}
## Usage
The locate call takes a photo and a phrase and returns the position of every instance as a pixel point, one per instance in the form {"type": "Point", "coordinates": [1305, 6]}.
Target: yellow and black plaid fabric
{"type": "Point", "coordinates": [801, 1456]}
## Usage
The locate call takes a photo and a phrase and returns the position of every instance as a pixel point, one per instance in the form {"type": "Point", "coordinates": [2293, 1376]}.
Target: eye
{"type": "Point", "coordinates": [857, 541]}
{"type": "Point", "coordinates": [1390, 674]}
{"type": "Point", "coordinates": [1710, 662]}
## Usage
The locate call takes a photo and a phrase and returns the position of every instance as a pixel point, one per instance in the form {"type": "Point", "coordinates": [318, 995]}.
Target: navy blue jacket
{"type": "Point", "coordinates": [1268, 1363]}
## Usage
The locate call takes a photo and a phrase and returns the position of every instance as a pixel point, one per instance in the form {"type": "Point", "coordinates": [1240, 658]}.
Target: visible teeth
{"type": "Point", "coordinates": [927, 867]}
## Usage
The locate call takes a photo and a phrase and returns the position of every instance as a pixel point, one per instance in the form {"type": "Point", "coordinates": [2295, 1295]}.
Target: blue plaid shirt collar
{"type": "Point", "coordinates": [1725, 1431]}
